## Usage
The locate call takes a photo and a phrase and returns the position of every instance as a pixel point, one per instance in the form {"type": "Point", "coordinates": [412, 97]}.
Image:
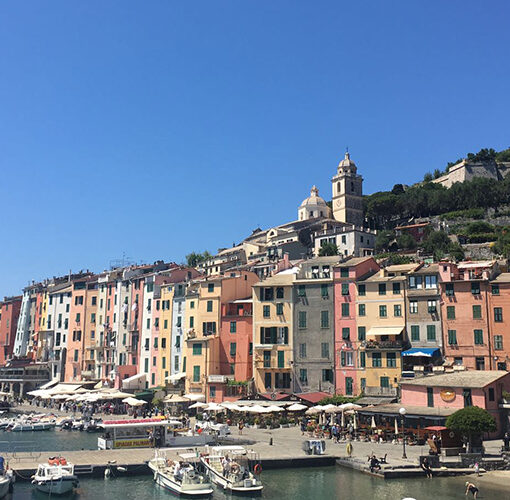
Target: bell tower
{"type": "Point", "coordinates": [347, 193]}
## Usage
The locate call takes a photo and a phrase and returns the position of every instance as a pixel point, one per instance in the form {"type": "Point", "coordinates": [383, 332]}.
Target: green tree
{"type": "Point", "coordinates": [456, 251]}
{"type": "Point", "coordinates": [406, 242]}
{"type": "Point", "coordinates": [471, 422]}
{"type": "Point", "coordinates": [427, 177]}
{"type": "Point", "coordinates": [436, 241]}
{"type": "Point", "coordinates": [383, 240]}
{"type": "Point", "coordinates": [194, 259]}
{"type": "Point", "coordinates": [437, 173]}
{"type": "Point", "coordinates": [503, 156]}
{"type": "Point", "coordinates": [479, 227]}
{"type": "Point", "coordinates": [397, 189]}
{"type": "Point", "coordinates": [328, 249]}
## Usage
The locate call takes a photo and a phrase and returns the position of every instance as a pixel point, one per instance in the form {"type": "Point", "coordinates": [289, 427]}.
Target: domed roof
{"type": "Point", "coordinates": [314, 199]}
{"type": "Point", "coordinates": [347, 162]}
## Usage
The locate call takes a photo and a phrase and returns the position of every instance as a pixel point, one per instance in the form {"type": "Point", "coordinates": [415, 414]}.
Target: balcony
{"type": "Point", "coordinates": [381, 391]}
{"type": "Point", "coordinates": [382, 344]}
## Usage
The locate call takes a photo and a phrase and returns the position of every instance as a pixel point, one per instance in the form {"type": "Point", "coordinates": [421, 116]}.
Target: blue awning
{"type": "Point", "coordinates": [428, 352]}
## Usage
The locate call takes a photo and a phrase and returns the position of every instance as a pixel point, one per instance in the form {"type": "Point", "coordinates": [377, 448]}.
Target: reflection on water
{"type": "Point", "coordinates": [289, 484]}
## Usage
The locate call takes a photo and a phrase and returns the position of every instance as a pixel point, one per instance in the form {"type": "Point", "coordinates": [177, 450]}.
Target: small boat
{"type": "Point", "coordinates": [32, 426]}
{"type": "Point", "coordinates": [181, 478]}
{"type": "Point", "coordinates": [56, 477]}
{"type": "Point", "coordinates": [6, 479]}
{"type": "Point", "coordinates": [233, 469]}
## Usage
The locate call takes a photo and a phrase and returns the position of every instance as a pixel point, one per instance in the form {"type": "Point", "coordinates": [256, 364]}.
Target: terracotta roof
{"type": "Point", "coordinates": [393, 409]}
{"type": "Point", "coordinates": [502, 278]}
{"type": "Point", "coordinates": [313, 397]}
{"type": "Point", "coordinates": [470, 379]}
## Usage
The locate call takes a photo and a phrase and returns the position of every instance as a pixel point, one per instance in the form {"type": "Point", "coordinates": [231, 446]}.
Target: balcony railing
{"type": "Point", "coordinates": [382, 344]}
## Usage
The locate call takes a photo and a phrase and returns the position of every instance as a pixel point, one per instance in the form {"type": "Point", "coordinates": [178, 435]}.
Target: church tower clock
{"type": "Point", "coordinates": [347, 193]}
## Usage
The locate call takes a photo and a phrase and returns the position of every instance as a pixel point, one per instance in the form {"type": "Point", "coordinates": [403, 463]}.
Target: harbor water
{"type": "Point", "coordinates": [326, 483]}
{"type": "Point", "coordinates": [50, 440]}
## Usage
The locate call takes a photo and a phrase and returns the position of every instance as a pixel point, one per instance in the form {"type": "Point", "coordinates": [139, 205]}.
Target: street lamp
{"type": "Point", "coordinates": [403, 412]}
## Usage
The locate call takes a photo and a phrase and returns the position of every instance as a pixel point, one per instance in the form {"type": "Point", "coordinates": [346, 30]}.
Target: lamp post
{"type": "Point", "coordinates": [403, 412]}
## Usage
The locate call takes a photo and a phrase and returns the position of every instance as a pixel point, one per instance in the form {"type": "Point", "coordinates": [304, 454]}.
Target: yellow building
{"type": "Point", "coordinates": [273, 312]}
{"type": "Point", "coordinates": [381, 319]}
{"type": "Point", "coordinates": [203, 345]}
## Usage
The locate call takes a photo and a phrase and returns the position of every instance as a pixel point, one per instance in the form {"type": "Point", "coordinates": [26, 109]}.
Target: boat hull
{"type": "Point", "coordinates": [177, 488]}
{"type": "Point", "coordinates": [228, 485]}
{"type": "Point", "coordinates": [57, 486]}
{"type": "Point", "coordinates": [5, 483]}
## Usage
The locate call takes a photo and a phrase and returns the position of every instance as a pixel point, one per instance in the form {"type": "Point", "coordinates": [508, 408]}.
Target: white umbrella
{"type": "Point", "coordinates": [195, 397]}
{"type": "Point", "coordinates": [312, 411]}
{"type": "Point", "coordinates": [175, 398]}
{"type": "Point", "coordinates": [329, 408]}
{"type": "Point", "coordinates": [198, 404]}
{"type": "Point", "coordinates": [275, 409]}
{"type": "Point", "coordinates": [354, 422]}
{"type": "Point", "coordinates": [296, 407]}
{"type": "Point", "coordinates": [60, 396]}
{"type": "Point", "coordinates": [373, 423]}
{"type": "Point", "coordinates": [133, 401]}
{"type": "Point", "coordinates": [214, 407]}
{"type": "Point", "coordinates": [258, 409]}
{"type": "Point", "coordinates": [396, 426]}
{"type": "Point", "coordinates": [351, 406]}
{"type": "Point", "coordinates": [343, 420]}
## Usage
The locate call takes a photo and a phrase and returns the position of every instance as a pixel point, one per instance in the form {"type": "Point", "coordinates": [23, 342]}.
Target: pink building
{"type": "Point", "coordinates": [459, 389]}
{"type": "Point", "coordinates": [347, 366]}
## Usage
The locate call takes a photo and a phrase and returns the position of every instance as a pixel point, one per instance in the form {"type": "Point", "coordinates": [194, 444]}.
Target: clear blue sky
{"type": "Point", "coordinates": [157, 128]}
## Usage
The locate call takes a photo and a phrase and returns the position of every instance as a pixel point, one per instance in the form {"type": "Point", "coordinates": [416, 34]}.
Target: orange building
{"type": "Point", "coordinates": [499, 321]}
{"type": "Point", "coordinates": [9, 313]}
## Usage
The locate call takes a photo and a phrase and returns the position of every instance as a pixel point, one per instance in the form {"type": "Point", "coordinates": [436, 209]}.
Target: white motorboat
{"type": "Point", "coordinates": [32, 426]}
{"type": "Point", "coordinates": [56, 477]}
{"type": "Point", "coordinates": [233, 469]}
{"type": "Point", "coordinates": [181, 478]}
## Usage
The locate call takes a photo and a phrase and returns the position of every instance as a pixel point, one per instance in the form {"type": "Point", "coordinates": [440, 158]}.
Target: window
{"type": "Point", "coordinates": [362, 290]}
{"type": "Point", "coordinates": [413, 307]}
{"type": "Point", "coordinates": [303, 375]}
{"type": "Point", "coordinates": [345, 288]}
{"type": "Point", "coordinates": [478, 337]}
{"type": "Point", "coordinates": [468, 401]}
{"type": "Point", "coordinates": [163, 343]}
{"type": "Point", "coordinates": [301, 291]}
{"type": "Point", "coordinates": [154, 361]}
{"type": "Point", "coordinates": [94, 301]}
{"type": "Point", "coordinates": [327, 376]}
{"type": "Point", "coordinates": [362, 333]}
{"type": "Point", "coordinates": [192, 304]}
{"type": "Point", "coordinates": [382, 288]}
{"type": "Point", "coordinates": [155, 342]}
{"type": "Point", "coordinates": [452, 337]}
{"type": "Point", "coordinates": [415, 282]}
{"type": "Point", "coordinates": [77, 317]}
{"type": "Point", "coordinates": [376, 360]}
{"type": "Point", "coordinates": [501, 366]}
{"type": "Point", "coordinates": [344, 272]}
{"type": "Point", "coordinates": [397, 310]}
{"type": "Point", "coordinates": [362, 359]}
{"type": "Point", "coordinates": [498, 314]}
{"type": "Point", "coordinates": [209, 305]}
{"type": "Point", "coordinates": [156, 322]}
{"type": "Point", "coordinates": [480, 363]}
{"type": "Point", "coordinates": [415, 333]}
{"type": "Point", "coordinates": [267, 359]}
{"type": "Point", "coordinates": [281, 359]}
{"type": "Point", "coordinates": [302, 319]}
{"type": "Point", "coordinates": [279, 308]}
{"type": "Point", "coordinates": [324, 319]}
{"type": "Point", "coordinates": [431, 306]}
{"type": "Point", "coordinates": [384, 382]}
{"type": "Point", "coordinates": [449, 290]}
{"type": "Point", "coordinates": [233, 348]}
{"type": "Point", "coordinates": [396, 288]}
{"type": "Point", "coordinates": [324, 350]}
{"type": "Point", "coordinates": [212, 391]}
{"type": "Point", "coordinates": [279, 293]}
{"type": "Point", "coordinates": [148, 322]}
{"type": "Point", "coordinates": [325, 290]}
{"type": "Point", "coordinates": [196, 374]}
{"type": "Point", "coordinates": [391, 360]}
{"type": "Point", "coordinates": [178, 342]}
{"type": "Point", "coordinates": [210, 287]}
{"type": "Point", "coordinates": [495, 289]}
{"type": "Point", "coordinates": [302, 350]}
{"type": "Point", "coordinates": [498, 342]}
{"type": "Point", "coordinates": [197, 349]}
{"type": "Point", "coordinates": [491, 393]}
{"type": "Point", "coordinates": [250, 349]}
{"type": "Point", "coordinates": [450, 312]}
{"type": "Point", "coordinates": [430, 281]}
{"type": "Point", "coordinates": [266, 311]}
{"type": "Point", "coordinates": [267, 380]}
{"type": "Point", "coordinates": [191, 321]}
{"type": "Point", "coordinates": [475, 288]}
{"type": "Point", "coordinates": [345, 310]}
{"type": "Point", "coordinates": [431, 333]}
{"type": "Point", "coordinates": [477, 312]}
{"type": "Point", "coordinates": [346, 333]}
{"type": "Point", "coordinates": [430, 397]}
{"type": "Point", "coordinates": [361, 310]}
{"type": "Point", "coordinates": [383, 312]}
{"type": "Point", "coordinates": [348, 386]}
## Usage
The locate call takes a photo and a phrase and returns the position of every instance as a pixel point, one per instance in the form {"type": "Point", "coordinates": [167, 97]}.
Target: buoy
{"type": "Point", "coordinates": [107, 473]}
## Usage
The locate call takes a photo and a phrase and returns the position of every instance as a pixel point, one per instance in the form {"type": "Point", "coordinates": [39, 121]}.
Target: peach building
{"type": "Point", "coordinates": [499, 324]}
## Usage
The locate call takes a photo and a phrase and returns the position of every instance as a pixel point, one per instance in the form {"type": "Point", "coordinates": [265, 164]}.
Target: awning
{"type": "Point", "coordinates": [195, 397]}
{"type": "Point", "coordinates": [385, 330]}
{"type": "Point", "coordinates": [135, 381]}
{"type": "Point", "coordinates": [428, 352]}
{"type": "Point", "coordinates": [49, 384]}
{"type": "Point", "coordinates": [175, 377]}
{"type": "Point", "coordinates": [145, 395]}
